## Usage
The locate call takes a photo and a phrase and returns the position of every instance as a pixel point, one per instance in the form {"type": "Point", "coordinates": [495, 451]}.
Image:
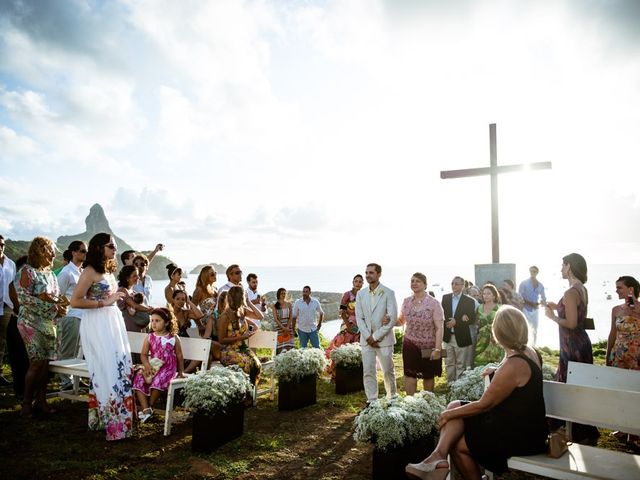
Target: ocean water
{"type": "Point", "coordinates": [601, 284]}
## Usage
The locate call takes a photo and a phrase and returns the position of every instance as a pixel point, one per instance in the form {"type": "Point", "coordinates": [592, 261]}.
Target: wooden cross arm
{"type": "Point", "coordinates": [476, 172]}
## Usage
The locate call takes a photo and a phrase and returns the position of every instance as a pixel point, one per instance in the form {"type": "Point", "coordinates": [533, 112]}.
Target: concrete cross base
{"type": "Point", "coordinates": [495, 273]}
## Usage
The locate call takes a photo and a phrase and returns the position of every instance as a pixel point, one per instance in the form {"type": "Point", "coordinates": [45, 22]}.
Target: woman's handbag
{"type": "Point", "coordinates": [558, 443]}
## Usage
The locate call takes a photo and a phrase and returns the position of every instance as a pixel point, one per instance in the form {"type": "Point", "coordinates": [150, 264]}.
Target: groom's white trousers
{"type": "Point", "coordinates": [369, 379]}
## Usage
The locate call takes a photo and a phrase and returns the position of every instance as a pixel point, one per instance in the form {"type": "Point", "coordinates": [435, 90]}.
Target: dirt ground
{"type": "Point", "coordinates": [312, 443]}
{"type": "Point", "coordinates": [315, 442]}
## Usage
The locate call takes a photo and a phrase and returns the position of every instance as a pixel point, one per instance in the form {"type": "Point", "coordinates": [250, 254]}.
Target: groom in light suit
{"type": "Point", "coordinates": [376, 338]}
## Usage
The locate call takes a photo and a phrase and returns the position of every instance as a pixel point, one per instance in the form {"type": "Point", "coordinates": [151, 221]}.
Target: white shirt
{"type": "Point", "coordinates": [67, 281]}
{"type": "Point", "coordinates": [226, 287]}
{"type": "Point", "coordinates": [8, 276]}
{"type": "Point", "coordinates": [305, 314]}
{"type": "Point", "coordinates": [144, 289]}
{"type": "Point", "coordinates": [251, 296]}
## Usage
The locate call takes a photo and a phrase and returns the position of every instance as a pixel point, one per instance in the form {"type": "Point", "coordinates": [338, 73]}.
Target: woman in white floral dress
{"type": "Point", "coordinates": [104, 341]}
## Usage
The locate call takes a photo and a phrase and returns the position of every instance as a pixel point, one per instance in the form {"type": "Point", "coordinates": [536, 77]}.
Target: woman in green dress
{"type": "Point", "coordinates": [40, 305]}
{"type": "Point", "coordinates": [487, 350]}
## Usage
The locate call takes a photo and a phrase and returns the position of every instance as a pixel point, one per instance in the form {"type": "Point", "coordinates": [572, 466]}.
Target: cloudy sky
{"type": "Point", "coordinates": [313, 132]}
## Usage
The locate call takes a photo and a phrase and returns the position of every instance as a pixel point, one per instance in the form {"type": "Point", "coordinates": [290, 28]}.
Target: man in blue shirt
{"type": "Point", "coordinates": [532, 292]}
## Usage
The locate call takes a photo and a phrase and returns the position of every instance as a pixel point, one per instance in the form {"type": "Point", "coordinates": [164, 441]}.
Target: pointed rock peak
{"type": "Point", "coordinates": [96, 221]}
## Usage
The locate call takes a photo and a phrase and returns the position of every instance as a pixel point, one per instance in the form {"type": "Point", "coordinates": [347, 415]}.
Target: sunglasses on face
{"type": "Point", "coordinates": [138, 264]}
{"type": "Point", "coordinates": [82, 251]}
{"type": "Point", "coordinates": [112, 246]}
{"type": "Point", "coordinates": [239, 272]}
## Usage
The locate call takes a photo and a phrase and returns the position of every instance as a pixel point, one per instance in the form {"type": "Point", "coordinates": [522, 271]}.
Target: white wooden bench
{"type": "Point", "coordinates": [606, 397]}
{"type": "Point", "coordinates": [77, 367]}
{"type": "Point", "coordinates": [603, 377]}
{"type": "Point", "coordinates": [192, 349]}
{"type": "Point", "coordinates": [265, 339]}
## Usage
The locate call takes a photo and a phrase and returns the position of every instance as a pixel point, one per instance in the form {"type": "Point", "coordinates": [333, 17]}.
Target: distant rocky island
{"type": "Point", "coordinates": [219, 268]}
{"type": "Point", "coordinates": [95, 222]}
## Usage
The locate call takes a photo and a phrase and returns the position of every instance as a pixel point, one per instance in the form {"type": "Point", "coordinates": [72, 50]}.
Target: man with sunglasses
{"type": "Point", "coordinates": [68, 329]}
{"type": "Point", "coordinates": [8, 300]}
{"type": "Point", "coordinates": [234, 277]}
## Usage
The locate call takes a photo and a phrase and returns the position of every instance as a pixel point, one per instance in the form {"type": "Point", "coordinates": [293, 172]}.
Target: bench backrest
{"type": "Point", "coordinates": [135, 341]}
{"type": "Point", "coordinates": [192, 348]}
{"type": "Point", "coordinates": [602, 407]}
{"type": "Point", "coordinates": [264, 339]}
{"type": "Point", "coordinates": [603, 377]}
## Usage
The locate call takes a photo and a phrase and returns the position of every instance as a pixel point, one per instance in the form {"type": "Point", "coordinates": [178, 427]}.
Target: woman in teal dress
{"type": "Point", "coordinates": [487, 350]}
{"type": "Point", "coordinates": [39, 306]}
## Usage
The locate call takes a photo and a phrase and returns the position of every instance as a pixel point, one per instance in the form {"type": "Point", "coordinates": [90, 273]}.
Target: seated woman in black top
{"type": "Point", "coordinates": [509, 418]}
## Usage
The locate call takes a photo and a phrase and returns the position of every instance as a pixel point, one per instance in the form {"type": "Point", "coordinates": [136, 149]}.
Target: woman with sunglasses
{"type": "Point", "coordinates": [104, 341]}
{"type": "Point", "coordinates": [68, 329]}
{"type": "Point", "coordinates": [39, 306]}
{"type": "Point", "coordinates": [205, 297]}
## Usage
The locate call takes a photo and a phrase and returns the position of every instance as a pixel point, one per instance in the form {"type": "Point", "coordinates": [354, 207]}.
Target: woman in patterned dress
{"type": "Point", "coordinates": [205, 288]}
{"type": "Point", "coordinates": [623, 347]}
{"type": "Point", "coordinates": [234, 331]}
{"type": "Point", "coordinates": [487, 350]}
{"type": "Point", "coordinates": [39, 306]}
{"type": "Point", "coordinates": [205, 296]}
{"type": "Point", "coordinates": [104, 341]}
{"type": "Point", "coordinates": [349, 332]}
{"type": "Point", "coordinates": [282, 316]}
{"type": "Point", "coordinates": [422, 344]}
{"type": "Point", "coordinates": [575, 344]}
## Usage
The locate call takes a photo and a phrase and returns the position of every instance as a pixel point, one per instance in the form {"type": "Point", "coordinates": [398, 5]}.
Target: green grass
{"type": "Point", "coordinates": [312, 443]}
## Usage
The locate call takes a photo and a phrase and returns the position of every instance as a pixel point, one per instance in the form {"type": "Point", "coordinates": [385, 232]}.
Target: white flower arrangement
{"type": "Point", "coordinates": [215, 389]}
{"type": "Point", "coordinates": [348, 355]}
{"type": "Point", "coordinates": [399, 421]}
{"type": "Point", "coordinates": [293, 365]}
{"type": "Point", "coordinates": [470, 385]}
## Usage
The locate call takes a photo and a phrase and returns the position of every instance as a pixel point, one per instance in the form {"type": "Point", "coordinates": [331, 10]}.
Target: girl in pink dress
{"type": "Point", "coordinates": [161, 356]}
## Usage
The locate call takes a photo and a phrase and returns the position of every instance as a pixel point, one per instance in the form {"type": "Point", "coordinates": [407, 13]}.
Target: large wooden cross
{"type": "Point", "coordinates": [493, 170]}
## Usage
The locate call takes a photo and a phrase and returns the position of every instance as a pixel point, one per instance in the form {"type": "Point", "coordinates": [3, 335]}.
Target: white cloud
{"type": "Point", "coordinates": [14, 146]}
{"type": "Point", "coordinates": [260, 130]}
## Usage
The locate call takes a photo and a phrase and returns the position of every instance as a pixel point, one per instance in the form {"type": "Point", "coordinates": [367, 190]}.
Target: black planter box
{"type": "Point", "coordinates": [213, 431]}
{"type": "Point", "coordinates": [348, 380]}
{"type": "Point", "coordinates": [294, 395]}
{"type": "Point", "coordinates": [391, 463]}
